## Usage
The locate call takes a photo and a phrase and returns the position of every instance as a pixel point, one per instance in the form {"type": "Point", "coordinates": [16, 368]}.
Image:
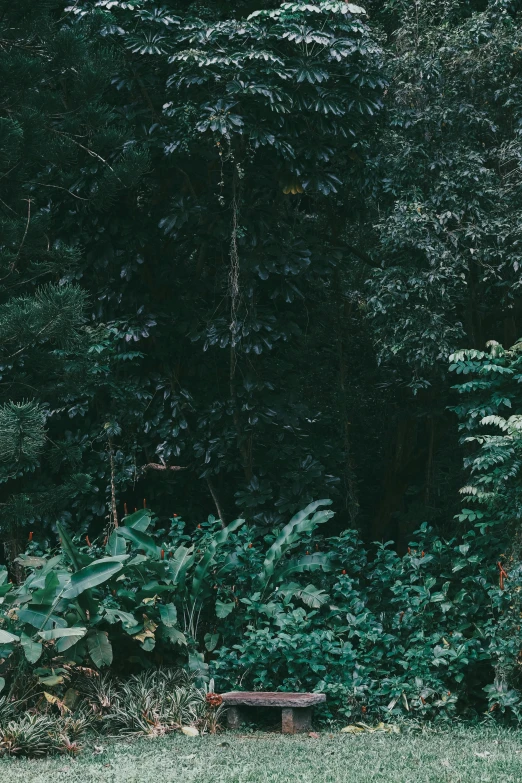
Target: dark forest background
{"type": "Point", "coordinates": [236, 253]}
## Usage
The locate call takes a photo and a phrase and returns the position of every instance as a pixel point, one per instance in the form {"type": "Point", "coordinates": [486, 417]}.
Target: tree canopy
{"type": "Point", "coordinates": [237, 249]}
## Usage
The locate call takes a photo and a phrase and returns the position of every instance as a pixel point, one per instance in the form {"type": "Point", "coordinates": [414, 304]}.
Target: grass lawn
{"type": "Point", "coordinates": [460, 756]}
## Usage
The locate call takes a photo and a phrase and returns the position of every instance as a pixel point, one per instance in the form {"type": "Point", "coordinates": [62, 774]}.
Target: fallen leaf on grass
{"type": "Point", "coordinates": [359, 728]}
{"type": "Point", "coordinates": [313, 734]}
{"type": "Point", "coordinates": [190, 731]}
{"type": "Point", "coordinates": [483, 755]}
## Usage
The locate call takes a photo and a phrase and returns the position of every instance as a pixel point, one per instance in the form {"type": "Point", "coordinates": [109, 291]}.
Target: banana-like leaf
{"type": "Point", "coordinates": [95, 574]}
{"type": "Point", "coordinates": [46, 595]}
{"type": "Point", "coordinates": [140, 540]}
{"type": "Point", "coordinates": [100, 648]}
{"type": "Point", "coordinates": [70, 550]}
{"type": "Point", "coordinates": [60, 633]}
{"type": "Point", "coordinates": [140, 520]}
{"type": "Point", "coordinates": [66, 642]}
{"type": "Point", "coordinates": [204, 564]}
{"type": "Point", "coordinates": [40, 620]}
{"type": "Point", "coordinates": [314, 562]}
{"type": "Point", "coordinates": [182, 559]}
{"type": "Point", "coordinates": [301, 523]}
{"type": "Point", "coordinates": [32, 650]}
{"type": "Point", "coordinates": [115, 545]}
{"type": "Point", "coordinates": [7, 638]}
{"type": "Point", "coordinates": [310, 595]}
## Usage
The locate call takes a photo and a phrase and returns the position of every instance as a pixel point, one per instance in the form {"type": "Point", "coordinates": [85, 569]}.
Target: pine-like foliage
{"type": "Point", "coordinates": [61, 146]}
{"type": "Point", "coordinates": [54, 313]}
{"type": "Point", "coordinates": [22, 433]}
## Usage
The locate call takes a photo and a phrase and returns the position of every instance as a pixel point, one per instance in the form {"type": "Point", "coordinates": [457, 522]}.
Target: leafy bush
{"type": "Point", "coordinates": [431, 633]}
{"type": "Point", "coordinates": [425, 634]}
{"type": "Point", "coordinates": [138, 601]}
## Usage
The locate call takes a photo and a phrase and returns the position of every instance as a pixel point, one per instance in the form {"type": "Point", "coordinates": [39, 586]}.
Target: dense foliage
{"type": "Point", "coordinates": [431, 634]}
{"type": "Point", "coordinates": [238, 246]}
{"type": "Point", "coordinates": [236, 192]}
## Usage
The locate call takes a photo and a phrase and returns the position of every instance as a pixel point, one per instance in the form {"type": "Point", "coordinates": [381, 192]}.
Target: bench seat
{"type": "Point", "coordinates": [296, 707]}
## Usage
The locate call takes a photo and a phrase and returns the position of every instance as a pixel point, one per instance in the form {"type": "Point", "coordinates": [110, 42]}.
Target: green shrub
{"type": "Point", "coordinates": [426, 634]}
{"type": "Point", "coordinates": [141, 600]}
{"type": "Point", "coordinates": [430, 634]}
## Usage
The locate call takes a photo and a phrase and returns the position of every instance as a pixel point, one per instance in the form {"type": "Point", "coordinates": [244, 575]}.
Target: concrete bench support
{"type": "Point", "coordinates": [234, 717]}
{"type": "Point", "coordinates": [296, 708]}
{"type": "Point", "coordinates": [296, 719]}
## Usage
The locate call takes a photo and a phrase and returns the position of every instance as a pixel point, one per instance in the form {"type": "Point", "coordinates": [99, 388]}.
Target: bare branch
{"type": "Point", "coordinates": [160, 466]}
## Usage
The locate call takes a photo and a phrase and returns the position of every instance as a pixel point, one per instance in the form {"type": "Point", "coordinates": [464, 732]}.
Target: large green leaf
{"type": "Point", "coordinates": [223, 609]}
{"type": "Point", "coordinates": [174, 634]}
{"type": "Point", "coordinates": [47, 594]}
{"type": "Point", "coordinates": [211, 640]}
{"type": "Point", "coordinates": [69, 548]}
{"type": "Point", "coordinates": [115, 545]}
{"type": "Point", "coordinates": [314, 562]}
{"type": "Point", "coordinates": [140, 540]}
{"type": "Point", "coordinates": [32, 650]}
{"type": "Point", "coordinates": [169, 615]}
{"type": "Point", "coordinates": [114, 615]}
{"type": "Point", "coordinates": [208, 556]}
{"type": "Point", "coordinates": [182, 559]}
{"type": "Point", "coordinates": [2, 684]}
{"type": "Point", "coordinates": [310, 595]}
{"type": "Point", "coordinates": [95, 574]}
{"type": "Point", "coordinates": [301, 523]}
{"type": "Point", "coordinates": [100, 648]}
{"type": "Point", "coordinates": [66, 642]}
{"type": "Point", "coordinates": [40, 620]}
{"type": "Point", "coordinates": [140, 520]}
{"type": "Point", "coordinates": [7, 638]}
{"type": "Point", "coordinates": [60, 633]}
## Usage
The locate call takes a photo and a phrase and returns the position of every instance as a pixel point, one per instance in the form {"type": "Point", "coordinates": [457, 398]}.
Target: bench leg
{"type": "Point", "coordinates": [296, 719]}
{"type": "Point", "coordinates": [234, 717]}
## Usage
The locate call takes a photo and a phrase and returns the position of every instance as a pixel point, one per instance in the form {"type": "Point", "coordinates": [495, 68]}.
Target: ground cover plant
{"type": "Point", "coordinates": [94, 706]}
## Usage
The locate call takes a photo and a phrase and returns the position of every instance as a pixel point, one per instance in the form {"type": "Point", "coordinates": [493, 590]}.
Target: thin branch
{"type": "Point", "coordinates": [58, 187]}
{"type": "Point", "coordinates": [91, 152]}
{"type": "Point", "coordinates": [161, 466]}
{"type": "Point", "coordinates": [114, 509]}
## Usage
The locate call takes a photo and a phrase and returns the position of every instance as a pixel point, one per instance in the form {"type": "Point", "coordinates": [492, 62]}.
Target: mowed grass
{"type": "Point", "coordinates": [460, 756]}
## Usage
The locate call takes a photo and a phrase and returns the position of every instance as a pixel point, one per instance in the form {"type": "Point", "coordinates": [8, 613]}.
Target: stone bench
{"type": "Point", "coordinates": [296, 707]}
